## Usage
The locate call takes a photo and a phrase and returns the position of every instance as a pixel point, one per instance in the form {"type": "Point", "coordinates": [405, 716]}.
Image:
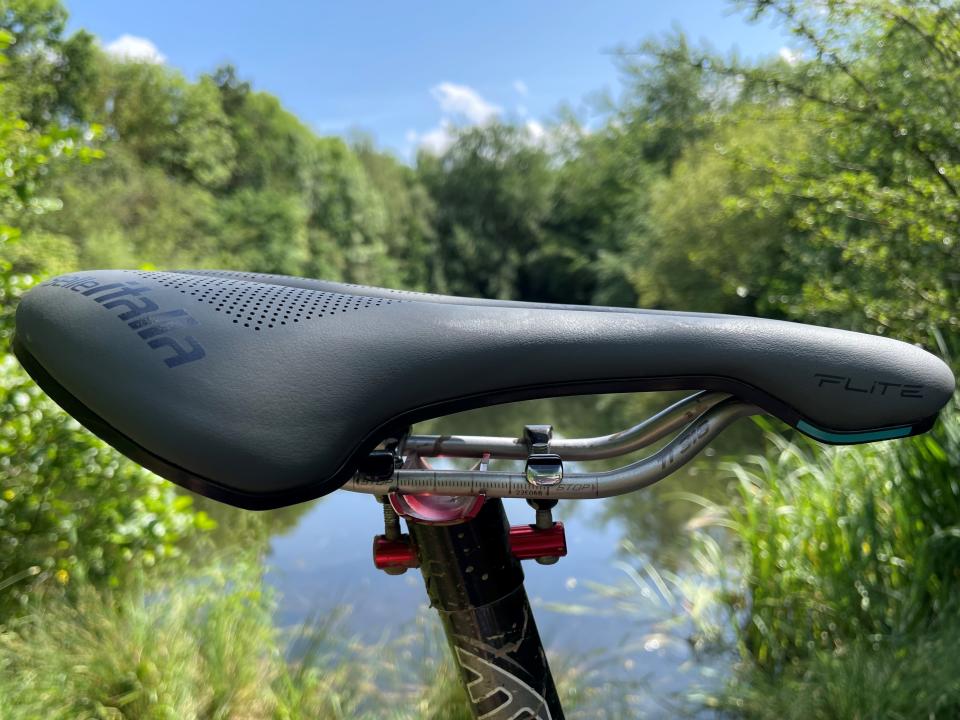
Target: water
{"type": "Point", "coordinates": [598, 602]}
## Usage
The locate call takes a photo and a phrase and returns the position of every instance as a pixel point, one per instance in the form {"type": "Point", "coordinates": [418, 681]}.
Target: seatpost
{"type": "Point", "coordinates": [476, 585]}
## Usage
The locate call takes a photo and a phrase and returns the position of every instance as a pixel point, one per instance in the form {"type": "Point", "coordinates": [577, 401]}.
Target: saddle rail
{"type": "Point", "coordinates": [702, 417]}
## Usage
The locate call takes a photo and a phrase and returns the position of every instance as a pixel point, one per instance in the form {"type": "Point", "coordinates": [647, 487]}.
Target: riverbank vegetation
{"type": "Point", "coordinates": [207, 648]}
{"type": "Point", "coordinates": [843, 596]}
{"type": "Point", "coordinates": [821, 186]}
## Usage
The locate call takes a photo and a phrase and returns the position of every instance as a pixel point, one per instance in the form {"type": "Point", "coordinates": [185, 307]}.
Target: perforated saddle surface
{"type": "Point", "coordinates": [262, 390]}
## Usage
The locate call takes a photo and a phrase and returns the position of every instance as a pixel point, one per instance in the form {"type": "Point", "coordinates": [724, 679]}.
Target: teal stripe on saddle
{"type": "Point", "coordinates": [854, 437]}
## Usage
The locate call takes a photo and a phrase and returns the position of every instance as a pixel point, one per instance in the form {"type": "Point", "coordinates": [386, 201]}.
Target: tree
{"type": "Point", "coordinates": [600, 210]}
{"type": "Point", "coordinates": [492, 190]}
{"type": "Point", "coordinates": [409, 235]}
{"type": "Point", "coordinates": [263, 231]}
{"type": "Point", "coordinates": [715, 239]}
{"type": "Point", "coordinates": [169, 122]}
{"type": "Point", "coordinates": [269, 141]}
{"type": "Point", "coordinates": [667, 99]}
{"type": "Point", "coordinates": [121, 213]}
{"type": "Point", "coordinates": [877, 189]}
{"type": "Point", "coordinates": [347, 216]}
{"type": "Point", "coordinates": [608, 250]}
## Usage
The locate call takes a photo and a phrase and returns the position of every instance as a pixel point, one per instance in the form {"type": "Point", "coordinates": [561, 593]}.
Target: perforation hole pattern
{"type": "Point", "coordinates": [258, 306]}
{"type": "Point", "coordinates": [260, 277]}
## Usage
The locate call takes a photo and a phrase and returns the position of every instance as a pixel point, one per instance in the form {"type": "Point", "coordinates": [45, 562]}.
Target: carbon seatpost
{"type": "Point", "coordinates": [476, 585]}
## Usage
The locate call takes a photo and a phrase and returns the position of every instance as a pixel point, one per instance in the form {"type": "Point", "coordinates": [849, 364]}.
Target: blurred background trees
{"type": "Point", "coordinates": [825, 189]}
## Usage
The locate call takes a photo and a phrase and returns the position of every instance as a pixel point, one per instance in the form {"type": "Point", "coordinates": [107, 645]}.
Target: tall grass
{"type": "Point", "coordinates": [207, 649]}
{"type": "Point", "coordinates": [842, 584]}
{"type": "Point", "coordinates": [915, 676]}
{"type": "Point", "coordinates": [203, 650]}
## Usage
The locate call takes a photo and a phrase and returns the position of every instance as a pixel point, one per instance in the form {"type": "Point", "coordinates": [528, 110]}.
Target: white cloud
{"type": "Point", "coordinates": [521, 87]}
{"type": "Point", "coordinates": [465, 101]}
{"type": "Point", "coordinates": [536, 131]}
{"type": "Point", "coordinates": [460, 106]}
{"type": "Point", "coordinates": [790, 57]}
{"type": "Point", "coordinates": [436, 141]}
{"type": "Point", "coordinates": [136, 49]}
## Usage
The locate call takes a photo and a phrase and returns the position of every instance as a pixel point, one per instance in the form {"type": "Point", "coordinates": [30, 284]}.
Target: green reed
{"type": "Point", "coordinates": [840, 575]}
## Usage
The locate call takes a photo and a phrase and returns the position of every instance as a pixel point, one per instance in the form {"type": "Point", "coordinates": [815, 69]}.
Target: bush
{"type": "Point", "coordinates": [70, 506]}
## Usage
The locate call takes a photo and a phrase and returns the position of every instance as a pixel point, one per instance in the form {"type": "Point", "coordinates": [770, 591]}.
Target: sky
{"type": "Point", "coordinates": [407, 72]}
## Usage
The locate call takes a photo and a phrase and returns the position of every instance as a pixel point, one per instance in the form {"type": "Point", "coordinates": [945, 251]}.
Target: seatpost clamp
{"type": "Point", "coordinates": [381, 464]}
{"type": "Point", "coordinates": [543, 467]}
{"type": "Point", "coordinates": [378, 465]}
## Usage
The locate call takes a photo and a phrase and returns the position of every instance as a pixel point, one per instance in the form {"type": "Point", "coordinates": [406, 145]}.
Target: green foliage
{"type": "Point", "coordinates": [825, 190]}
{"type": "Point", "coordinates": [409, 234]}
{"type": "Point", "coordinates": [26, 153]}
{"type": "Point", "coordinates": [708, 247]}
{"type": "Point", "coordinates": [205, 651]}
{"type": "Point", "coordinates": [820, 190]}
{"type": "Point", "coordinates": [270, 141]}
{"type": "Point", "coordinates": [347, 216]}
{"type": "Point", "coordinates": [872, 197]}
{"type": "Point", "coordinates": [842, 545]}
{"type": "Point", "coordinates": [31, 30]}
{"type": "Point", "coordinates": [668, 101]}
{"type": "Point", "coordinates": [599, 210]}
{"type": "Point", "coordinates": [492, 190]}
{"type": "Point", "coordinates": [205, 173]}
{"type": "Point", "coordinates": [263, 229]}
{"type": "Point", "coordinates": [168, 122]}
{"type": "Point", "coordinates": [118, 213]}
{"type": "Point", "coordinates": [70, 506]}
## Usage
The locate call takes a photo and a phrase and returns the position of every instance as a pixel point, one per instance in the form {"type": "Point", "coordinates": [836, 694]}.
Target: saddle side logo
{"type": "Point", "coordinates": [142, 315]}
{"type": "Point", "coordinates": [867, 387]}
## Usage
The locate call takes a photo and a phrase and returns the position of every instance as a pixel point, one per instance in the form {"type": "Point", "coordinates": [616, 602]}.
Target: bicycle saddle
{"type": "Point", "coordinates": [262, 390]}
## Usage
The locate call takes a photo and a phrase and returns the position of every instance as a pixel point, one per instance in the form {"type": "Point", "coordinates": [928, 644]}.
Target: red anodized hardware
{"type": "Point", "coordinates": [527, 542]}
{"type": "Point", "coordinates": [393, 553]}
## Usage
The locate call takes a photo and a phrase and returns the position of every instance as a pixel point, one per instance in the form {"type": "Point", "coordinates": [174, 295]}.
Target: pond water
{"type": "Point", "coordinates": [599, 604]}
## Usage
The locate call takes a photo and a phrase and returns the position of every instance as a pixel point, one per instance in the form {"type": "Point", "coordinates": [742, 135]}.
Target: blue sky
{"type": "Point", "coordinates": [405, 71]}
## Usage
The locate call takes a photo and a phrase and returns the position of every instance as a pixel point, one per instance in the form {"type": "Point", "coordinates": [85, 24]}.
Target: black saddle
{"type": "Point", "coordinates": [262, 390]}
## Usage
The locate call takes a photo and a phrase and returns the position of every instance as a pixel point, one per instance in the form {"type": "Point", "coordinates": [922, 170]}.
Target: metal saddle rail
{"type": "Point", "coordinates": [699, 419]}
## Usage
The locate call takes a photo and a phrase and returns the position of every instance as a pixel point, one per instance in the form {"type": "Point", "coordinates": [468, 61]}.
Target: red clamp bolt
{"type": "Point", "coordinates": [394, 557]}
{"type": "Point", "coordinates": [527, 542]}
